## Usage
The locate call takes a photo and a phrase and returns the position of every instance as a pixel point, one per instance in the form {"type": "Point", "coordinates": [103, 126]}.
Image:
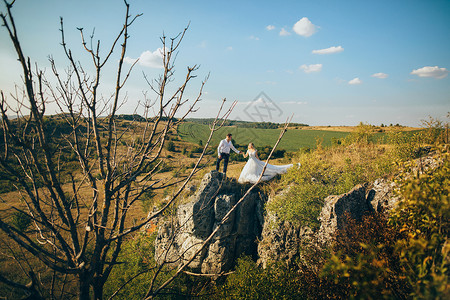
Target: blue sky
{"type": "Point", "coordinates": [325, 62]}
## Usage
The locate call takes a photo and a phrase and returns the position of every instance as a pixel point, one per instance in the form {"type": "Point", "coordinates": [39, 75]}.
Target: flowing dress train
{"type": "Point", "coordinates": [253, 168]}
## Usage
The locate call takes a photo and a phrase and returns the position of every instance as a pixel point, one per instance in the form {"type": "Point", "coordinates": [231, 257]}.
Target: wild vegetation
{"type": "Point", "coordinates": [403, 256]}
{"type": "Point", "coordinates": [81, 193]}
{"type": "Point", "coordinates": [400, 257]}
{"type": "Point", "coordinates": [356, 266]}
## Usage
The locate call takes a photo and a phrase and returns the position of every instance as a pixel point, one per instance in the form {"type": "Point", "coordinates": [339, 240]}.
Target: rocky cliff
{"type": "Point", "coordinates": [247, 231]}
{"type": "Point", "coordinates": [180, 236]}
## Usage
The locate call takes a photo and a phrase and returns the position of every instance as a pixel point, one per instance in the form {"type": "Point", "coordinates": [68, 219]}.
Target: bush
{"type": "Point", "coordinates": [363, 134]}
{"type": "Point", "coordinates": [137, 261]}
{"type": "Point", "coordinates": [405, 256]}
{"type": "Point", "coordinates": [364, 264]}
{"type": "Point", "coordinates": [252, 282]}
{"type": "Point", "coordinates": [435, 131]}
{"type": "Point", "coordinates": [424, 215]}
{"type": "Point", "coordinates": [21, 221]}
{"type": "Point", "coordinates": [147, 200]}
{"type": "Point", "coordinates": [197, 150]}
{"type": "Point", "coordinates": [170, 146]}
{"type": "Point", "coordinates": [404, 144]}
{"type": "Point", "coordinates": [237, 157]}
{"type": "Point", "coordinates": [136, 257]}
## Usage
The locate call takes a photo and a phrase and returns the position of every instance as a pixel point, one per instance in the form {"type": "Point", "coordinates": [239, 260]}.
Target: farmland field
{"type": "Point", "coordinates": [293, 140]}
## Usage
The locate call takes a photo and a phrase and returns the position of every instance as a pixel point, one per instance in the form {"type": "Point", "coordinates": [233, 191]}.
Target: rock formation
{"type": "Point", "coordinates": [182, 235]}
{"type": "Point", "coordinates": [247, 232]}
{"type": "Point", "coordinates": [282, 241]}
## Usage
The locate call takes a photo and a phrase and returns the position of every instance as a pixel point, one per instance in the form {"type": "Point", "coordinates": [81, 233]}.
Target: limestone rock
{"type": "Point", "coordinates": [337, 208]}
{"type": "Point", "coordinates": [182, 236]}
{"type": "Point", "coordinates": [382, 197]}
{"type": "Point", "coordinates": [281, 240]}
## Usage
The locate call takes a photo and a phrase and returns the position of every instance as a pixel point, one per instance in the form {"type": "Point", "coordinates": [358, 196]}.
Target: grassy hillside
{"type": "Point", "coordinates": [293, 140]}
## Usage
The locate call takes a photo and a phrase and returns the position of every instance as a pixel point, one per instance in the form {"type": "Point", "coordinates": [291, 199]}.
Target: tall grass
{"type": "Point", "coordinates": [327, 171]}
{"type": "Point", "coordinates": [361, 157]}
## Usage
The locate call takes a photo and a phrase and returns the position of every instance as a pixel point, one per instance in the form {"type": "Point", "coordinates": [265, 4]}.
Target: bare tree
{"type": "Point", "coordinates": [74, 235]}
{"type": "Point", "coordinates": [51, 162]}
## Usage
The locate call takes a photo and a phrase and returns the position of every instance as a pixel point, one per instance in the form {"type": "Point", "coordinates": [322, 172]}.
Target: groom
{"type": "Point", "coordinates": [224, 152]}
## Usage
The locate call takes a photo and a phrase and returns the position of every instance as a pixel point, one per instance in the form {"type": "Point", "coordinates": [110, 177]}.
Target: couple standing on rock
{"type": "Point", "coordinates": [253, 168]}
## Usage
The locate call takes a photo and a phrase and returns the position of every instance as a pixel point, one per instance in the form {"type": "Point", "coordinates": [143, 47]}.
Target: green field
{"type": "Point", "coordinates": [292, 141]}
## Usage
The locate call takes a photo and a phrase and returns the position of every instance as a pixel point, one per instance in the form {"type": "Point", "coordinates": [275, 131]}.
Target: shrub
{"type": "Point", "coordinates": [137, 263]}
{"type": "Point", "coordinates": [363, 134]}
{"type": "Point", "coordinates": [404, 144]}
{"type": "Point", "coordinates": [405, 256]}
{"type": "Point", "coordinates": [237, 157]}
{"type": "Point", "coordinates": [136, 257]}
{"type": "Point", "coordinates": [147, 200]}
{"type": "Point", "coordinates": [197, 150]}
{"type": "Point", "coordinates": [21, 221]}
{"type": "Point", "coordinates": [436, 131]}
{"type": "Point", "coordinates": [252, 282]}
{"type": "Point", "coordinates": [424, 215]}
{"type": "Point", "coordinates": [170, 146]}
{"type": "Point", "coordinates": [364, 264]}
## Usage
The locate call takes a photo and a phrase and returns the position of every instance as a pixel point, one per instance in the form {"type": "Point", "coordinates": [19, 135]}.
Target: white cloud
{"type": "Point", "coordinates": [355, 80]}
{"type": "Point", "coordinates": [284, 32]}
{"type": "Point", "coordinates": [252, 37]}
{"type": "Point", "coordinates": [311, 68]}
{"type": "Point", "coordinates": [380, 75]}
{"type": "Point", "coordinates": [270, 27]}
{"type": "Point", "coordinates": [148, 59]}
{"type": "Point", "coordinates": [304, 27]}
{"type": "Point", "coordinates": [434, 72]}
{"type": "Point", "coordinates": [229, 48]}
{"type": "Point", "coordinates": [330, 50]}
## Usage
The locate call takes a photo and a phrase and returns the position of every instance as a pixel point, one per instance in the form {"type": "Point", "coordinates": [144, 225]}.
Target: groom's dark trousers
{"type": "Point", "coordinates": [225, 157]}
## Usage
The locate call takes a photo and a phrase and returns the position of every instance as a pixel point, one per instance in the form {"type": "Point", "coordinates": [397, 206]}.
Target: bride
{"type": "Point", "coordinates": [253, 168]}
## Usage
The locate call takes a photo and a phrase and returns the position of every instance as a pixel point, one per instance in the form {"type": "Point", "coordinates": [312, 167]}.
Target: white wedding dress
{"type": "Point", "coordinates": [253, 168]}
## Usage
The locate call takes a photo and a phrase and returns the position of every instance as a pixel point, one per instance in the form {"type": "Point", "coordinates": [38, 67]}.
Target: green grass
{"type": "Point", "coordinates": [292, 140]}
{"type": "Point", "coordinates": [324, 172]}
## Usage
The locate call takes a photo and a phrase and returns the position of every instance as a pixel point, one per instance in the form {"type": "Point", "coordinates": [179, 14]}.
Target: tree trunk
{"type": "Point", "coordinates": [98, 289]}
{"type": "Point", "coordinates": [83, 286]}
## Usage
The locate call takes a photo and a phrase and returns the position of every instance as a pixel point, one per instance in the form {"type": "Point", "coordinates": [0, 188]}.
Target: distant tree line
{"type": "Point", "coordinates": [206, 121]}
{"type": "Point", "coordinates": [139, 118]}
{"type": "Point", "coordinates": [245, 124]}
